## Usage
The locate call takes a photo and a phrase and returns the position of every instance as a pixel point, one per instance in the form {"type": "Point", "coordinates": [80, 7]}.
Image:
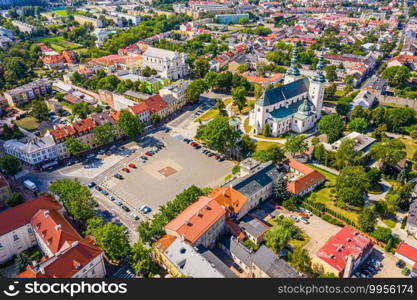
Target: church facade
{"type": "Point", "coordinates": [294, 106]}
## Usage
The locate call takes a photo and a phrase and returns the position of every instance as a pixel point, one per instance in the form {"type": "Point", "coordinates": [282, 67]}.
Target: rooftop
{"type": "Point", "coordinates": [284, 92]}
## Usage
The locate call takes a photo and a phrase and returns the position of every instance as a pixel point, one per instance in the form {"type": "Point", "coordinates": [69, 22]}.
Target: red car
{"type": "Point", "coordinates": [193, 144]}
{"type": "Point", "coordinates": [132, 165]}
{"type": "Point", "coordinates": [126, 170]}
{"type": "Point", "coordinates": [148, 154]}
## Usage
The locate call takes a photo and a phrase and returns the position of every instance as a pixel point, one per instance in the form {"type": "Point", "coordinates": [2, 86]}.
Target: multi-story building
{"type": "Point", "coordinates": [60, 135]}
{"type": "Point", "coordinates": [294, 106]}
{"type": "Point", "coordinates": [302, 179]}
{"type": "Point", "coordinates": [175, 95]}
{"type": "Point", "coordinates": [411, 226]}
{"type": "Point", "coordinates": [168, 64]}
{"type": "Point", "coordinates": [36, 152]}
{"type": "Point", "coordinates": [5, 190]}
{"type": "Point", "coordinates": [131, 19]}
{"type": "Point", "coordinates": [201, 223]}
{"type": "Point", "coordinates": [88, 20]}
{"type": "Point", "coordinates": [27, 92]}
{"type": "Point", "coordinates": [344, 252]}
{"type": "Point", "coordinates": [23, 27]}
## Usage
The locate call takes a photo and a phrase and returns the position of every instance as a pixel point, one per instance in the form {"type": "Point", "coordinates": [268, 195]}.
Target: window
{"type": "Point", "coordinates": [1, 246]}
{"type": "Point", "coordinates": [29, 230]}
{"type": "Point", "coordinates": [15, 237]}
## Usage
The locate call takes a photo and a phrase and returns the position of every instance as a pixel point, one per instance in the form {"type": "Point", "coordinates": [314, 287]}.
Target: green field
{"type": "Point", "coordinates": [58, 43]}
{"type": "Point", "coordinates": [325, 195]}
{"type": "Point", "coordinates": [410, 146]}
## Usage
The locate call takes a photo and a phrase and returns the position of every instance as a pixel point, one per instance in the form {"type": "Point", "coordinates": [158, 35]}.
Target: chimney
{"type": "Point", "coordinates": [58, 227]}
{"type": "Point", "coordinates": [46, 212]}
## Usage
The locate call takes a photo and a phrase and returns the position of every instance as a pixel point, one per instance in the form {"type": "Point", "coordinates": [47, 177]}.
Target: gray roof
{"type": "Point", "coordinates": [273, 266]}
{"type": "Point", "coordinates": [253, 226]}
{"type": "Point", "coordinates": [412, 214]}
{"type": "Point", "coordinates": [216, 262]}
{"type": "Point", "coordinates": [284, 92]}
{"type": "Point", "coordinates": [375, 83]}
{"type": "Point", "coordinates": [239, 250]}
{"type": "Point", "coordinates": [252, 183]}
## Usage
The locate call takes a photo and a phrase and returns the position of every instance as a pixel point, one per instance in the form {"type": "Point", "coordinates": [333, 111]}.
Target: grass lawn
{"type": "Point", "coordinates": [262, 145]}
{"type": "Point", "coordinates": [52, 39]}
{"type": "Point", "coordinates": [389, 223]}
{"type": "Point", "coordinates": [28, 123]}
{"type": "Point", "coordinates": [246, 126]}
{"type": "Point", "coordinates": [296, 243]}
{"type": "Point", "coordinates": [58, 43]}
{"type": "Point", "coordinates": [210, 114]}
{"type": "Point", "coordinates": [410, 146]}
{"type": "Point", "coordinates": [324, 195]}
{"type": "Point", "coordinates": [61, 12]}
{"type": "Point", "coordinates": [268, 137]}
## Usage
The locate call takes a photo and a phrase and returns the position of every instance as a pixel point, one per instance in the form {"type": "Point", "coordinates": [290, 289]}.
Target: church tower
{"type": "Point", "coordinates": [293, 73]}
{"type": "Point", "coordinates": [316, 89]}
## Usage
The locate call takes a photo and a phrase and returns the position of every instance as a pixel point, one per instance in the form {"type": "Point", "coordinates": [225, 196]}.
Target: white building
{"type": "Point", "coordinates": [168, 64]}
{"type": "Point", "coordinates": [174, 95]}
{"type": "Point", "coordinates": [294, 106]}
{"type": "Point", "coordinates": [36, 152]}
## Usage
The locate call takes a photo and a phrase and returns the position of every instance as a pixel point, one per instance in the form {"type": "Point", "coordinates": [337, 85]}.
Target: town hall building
{"type": "Point", "coordinates": [294, 106]}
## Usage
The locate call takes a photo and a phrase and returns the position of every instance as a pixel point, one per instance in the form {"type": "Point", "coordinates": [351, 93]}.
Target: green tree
{"type": "Point", "coordinates": [300, 260]}
{"type": "Point", "coordinates": [239, 97]}
{"type": "Point", "coordinates": [39, 110]}
{"type": "Point", "coordinates": [201, 67]}
{"type": "Point", "coordinates": [248, 145]}
{"type": "Point", "coordinates": [257, 91]}
{"type": "Point", "coordinates": [281, 189]}
{"type": "Point", "coordinates": [241, 68]}
{"type": "Point", "coordinates": [195, 89]}
{"type": "Point", "coordinates": [221, 107]}
{"type": "Point", "coordinates": [358, 124]}
{"type": "Point", "coordinates": [104, 134]}
{"type": "Point", "coordinates": [352, 185]}
{"type": "Point", "coordinates": [130, 124]}
{"type": "Point", "coordinates": [382, 234]}
{"type": "Point", "coordinates": [266, 130]}
{"type": "Point", "coordinates": [76, 198]}
{"type": "Point", "coordinates": [296, 144]}
{"type": "Point", "coordinates": [397, 76]}
{"type": "Point", "coordinates": [10, 164]}
{"type": "Point", "coordinates": [110, 237]}
{"type": "Point", "coordinates": [332, 126]}
{"type": "Point", "coordinates": [141, 260]}
{"type": "Point", "coordinates": [21, 261]}
{"type": "Point", "coordinates": [367, 219]}
{"type": "Point", "coordinates": [14, 199]}
{"type": "Point", "coordinates": [218, 134]}
{"type": "Point", "coordinates": [342, 108]}
{"type": "Point", "coordinates": [75, 146]}
{"type": "Point", "coordinates": [388, 151]}
{"type": "Point", "coordinates": [331, 75]}
{"type": "Point", "coordinates": [277, 238]}
{"type": "Point", "coordinates": [155, 119]}
{"type": "Point", "coordinates": [272, 153]}
{"type": "Point", "coordinates": [346, 155]}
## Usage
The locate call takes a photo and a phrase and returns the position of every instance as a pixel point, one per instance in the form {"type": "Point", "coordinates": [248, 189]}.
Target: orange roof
{"type": "Point", "coordinates": [21, 215]}
{"type": "Point", "coordinates": [164, 242]}
{"type": "Point", "coordinates": [311, 177]}
{"type": "Point", "coordinates": [403, 58]}
{"type": "Point", "coordinates": [196, 219]}
{"type": "Point", "coordinates": [264, 80]}
{"type": "Point", "coordinates": [52, 59]}
{"type": "Point", "coordinates": [62, 132]}
{"type": "Point", "coordinates": [229, 198]}
{"type": "Point", "coordinates": [139, 108]}
{"type": "Point", "coordinates": [84, 125]}
{"type": "Point", "coordinates": [116, 115]}
{"type": "Point", "coordinates": [67, 264]}
{"type": "Point", "coordinates": [54, 230]}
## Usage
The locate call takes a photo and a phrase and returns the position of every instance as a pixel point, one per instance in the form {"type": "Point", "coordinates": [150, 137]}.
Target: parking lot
{"type": "Point", "coordinates": [163, 175]}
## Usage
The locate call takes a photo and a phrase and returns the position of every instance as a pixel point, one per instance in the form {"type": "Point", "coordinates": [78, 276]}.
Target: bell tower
{"type": "Point", "coordinates": [293, 73]}
{"type": "Point", "coordinates": [316, 89]}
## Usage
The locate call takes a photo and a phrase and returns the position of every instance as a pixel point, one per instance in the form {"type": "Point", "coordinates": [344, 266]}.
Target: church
{"type": "Point", "coordinates": [294, 106]}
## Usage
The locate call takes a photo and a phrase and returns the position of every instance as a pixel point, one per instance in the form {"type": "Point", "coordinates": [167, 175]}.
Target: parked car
{"type": "Point", "coordinates": [132, 165]}
{"type": "Point", "coordinates": [98, 188]}
{"type": "Point", "coordinates": [135, 217]}
{"type": "Point", "coordinates": [148, 153]}
{"type": "Point", "coordinates": [304, 220]}
{"type": "Point", "coordinates": [145, 209]}
{"type": "Point", "coordinates": [125, 208]}
{"type": "Point", "coordinates": [237, 267]}
{"type": "Point", "coordinates": [118, 176]}
{"type": "Point", "coordinates": [144, 157]}
{"type": "Point", "coordinates": [126, 170]}
{"type": "Point", "coordinates": [112, 198]}
{"type": "Point", "coordinates": [119, 203]}
{"type": "Point", "coordinates": [91, 184]}
{"type": "Point", "coordinates": [400, 264]}
{"type": "Point", "coordinates": [104, 192]}
{"type": "Point", "coordinates": [209, 154]}
{"type": "Point", "coordinates": [293, 218]}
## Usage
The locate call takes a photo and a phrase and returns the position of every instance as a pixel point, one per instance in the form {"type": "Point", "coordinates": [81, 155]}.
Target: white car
{"type": "Point", "coordinates": [294, 218]}
{"type": "Point", "coordinates": [304, 220]}
{"type": "Point", "coordinates": [308, 212]}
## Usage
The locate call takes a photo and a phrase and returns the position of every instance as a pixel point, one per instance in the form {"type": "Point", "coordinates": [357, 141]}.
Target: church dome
{"type": "Point", "coordinates": [305, 108]}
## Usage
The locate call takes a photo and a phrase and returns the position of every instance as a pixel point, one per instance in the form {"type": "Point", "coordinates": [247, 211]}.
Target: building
{"type": "Point", "coordinates": [168, 64]}
{"type": "Point", "coordinates": [253, 228]}
{"type": "Point", "coordinates": [175, 95]}
{"type": "Point", "coordinates": [294, 106]}
{"type": "Point", "coordinates": [201, 223]}
{"type": "Point", "coordinates": [53, 61]}
{"type": "Point", "coordinates": [16, 233]}
{"type": "Point", "coordinates": [36, 152]}
{"type": "Point", "coordinates": [180, 259]}
{"type": "Point", "coordinates": [344, 252]}
{"type": "Point", "coordinates": [301, 178]}
{"type": "Point", "coordinates": [27, 92]}
{"type": "Point", "coordinates": [23, 27]}
{"type": "Point", "coordinates": [82, 20]}
{"type": "Point", "coordinates": [60, 135]}
{"type": "Point", "coordinates": [258, 185]}
{"type": "Point", "coordinates": [365, 98]}
{"type": "Point", "coordinates": [376, 85]}
{"type": "Point", "coordinates": [362, 142]}
{"type": "Point", "coordinates": [411, 226]}
{"type": "Point", "coordinates": [230, 18]}
{"type": "Point", "coordinates": [5, 190]}
{"type": "Point", "coordinates": [132, 20]}
{"type": "Point", "coordinates": [260, 264]}
{"type": "Point", "coordinates": [408, 254]}
{"type": "Point", "coordinates": [234, 202]}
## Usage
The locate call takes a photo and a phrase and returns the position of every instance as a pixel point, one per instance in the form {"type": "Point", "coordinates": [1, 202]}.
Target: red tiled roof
{"type": "Point", "coordinates": [62, 132]}
{"type": "Point", "coordinates": [196, 219]}
{"type": "Point", "coordinates": [310, 178]}
{"type": "Point", "coordinates": [347, 242]}
{"type": "Point", "coordinates": [3, 181]}
{"type": "Point", "coordinates": [407, 251]}
{"type": "Point", "coordinates": [229, 198]}
{"type": "Point", "coordinates": [155, 103]}
{"type": "Point", "coordinates": [68, 263]}
{"type": "Point", "coordinates": [84, 125]}
{"type": "Point", "coordinates": [52, 59]}
{"type": "Point", "coordinates": [54, 230]}
{"type": "Point", "coordinates": [139, 108]}
{"type": "Point", "coordinates": [21, 215]}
